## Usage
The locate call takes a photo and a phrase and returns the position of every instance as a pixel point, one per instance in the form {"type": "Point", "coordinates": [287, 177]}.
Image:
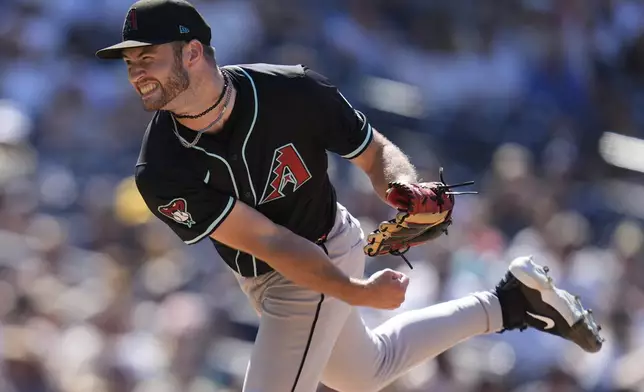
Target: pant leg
{"type": "Point", "coordinates": [296, 335]}
{"type": "Point", "coordinates": [298, 327]}
{"type": "Point", "coordinates": [368, 360]}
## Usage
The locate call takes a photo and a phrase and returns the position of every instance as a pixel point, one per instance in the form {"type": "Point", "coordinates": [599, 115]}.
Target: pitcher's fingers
{"type": "Point", "coordinates": [404, 281]}
{"type": "Point", "coordinates": [397, 275]}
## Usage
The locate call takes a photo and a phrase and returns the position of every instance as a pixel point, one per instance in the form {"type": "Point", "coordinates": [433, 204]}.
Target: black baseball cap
{"type": "Point", "coordinates": [155, 22]}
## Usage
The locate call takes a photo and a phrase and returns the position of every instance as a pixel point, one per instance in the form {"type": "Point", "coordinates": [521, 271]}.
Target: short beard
{"type": "Point", "coordinates": [178, 82]}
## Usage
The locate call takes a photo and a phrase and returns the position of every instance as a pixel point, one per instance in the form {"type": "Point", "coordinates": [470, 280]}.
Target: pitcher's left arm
{"type": "Point", "coordinates": [385, 163]}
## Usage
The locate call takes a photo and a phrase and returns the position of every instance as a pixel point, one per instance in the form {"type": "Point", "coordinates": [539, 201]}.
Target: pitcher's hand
{"type": "Point", "coordinates": [386, 289]}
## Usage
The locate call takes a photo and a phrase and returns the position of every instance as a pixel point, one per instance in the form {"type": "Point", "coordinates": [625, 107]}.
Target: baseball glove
{"type": "Point", "coordinates": [424, 213]}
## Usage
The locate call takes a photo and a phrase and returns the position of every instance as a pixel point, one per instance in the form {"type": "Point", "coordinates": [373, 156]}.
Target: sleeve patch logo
{"type": "Point", "coordinates": [177, 210]}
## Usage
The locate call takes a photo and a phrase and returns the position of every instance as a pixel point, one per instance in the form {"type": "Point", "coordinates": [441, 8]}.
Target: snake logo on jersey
{"type": "Point", "coordinates": [177, 210]}
{"type": "Point", "coordinates": [287, 168]}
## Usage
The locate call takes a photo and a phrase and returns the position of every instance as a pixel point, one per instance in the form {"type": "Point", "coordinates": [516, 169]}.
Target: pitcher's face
{"type": "Point", "coordinates": [157, 74]}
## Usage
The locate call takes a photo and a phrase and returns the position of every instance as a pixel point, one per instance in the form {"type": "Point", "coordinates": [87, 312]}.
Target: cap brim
{"type": "Point", "coordinates": [116, 51]}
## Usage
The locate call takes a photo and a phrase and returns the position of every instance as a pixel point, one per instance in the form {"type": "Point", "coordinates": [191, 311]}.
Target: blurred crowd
{"type": "Point", "coordinates": [97, 296]}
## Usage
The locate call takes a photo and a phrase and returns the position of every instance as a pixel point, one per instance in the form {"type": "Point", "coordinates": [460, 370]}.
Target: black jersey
{"type": "Point", "coordinates": [271, 154]}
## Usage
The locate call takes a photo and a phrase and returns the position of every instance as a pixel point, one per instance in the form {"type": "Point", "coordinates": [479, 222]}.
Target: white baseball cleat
{"type": "Point", "coordinates": [529, 298]}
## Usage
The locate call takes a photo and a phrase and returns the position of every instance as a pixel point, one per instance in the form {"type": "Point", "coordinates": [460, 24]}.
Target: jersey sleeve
{"type": "Point", "coordinates": [192, 210]}
{"type": "Point", "coordinates": [348, 132]}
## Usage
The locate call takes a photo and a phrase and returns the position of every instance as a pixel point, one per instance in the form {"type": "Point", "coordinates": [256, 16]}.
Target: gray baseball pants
{"type": "Point", "coordinates": [306, 338]}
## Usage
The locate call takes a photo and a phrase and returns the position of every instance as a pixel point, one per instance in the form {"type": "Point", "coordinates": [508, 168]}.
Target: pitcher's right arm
{"type": "Point", "coordinates": [297, 259]}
